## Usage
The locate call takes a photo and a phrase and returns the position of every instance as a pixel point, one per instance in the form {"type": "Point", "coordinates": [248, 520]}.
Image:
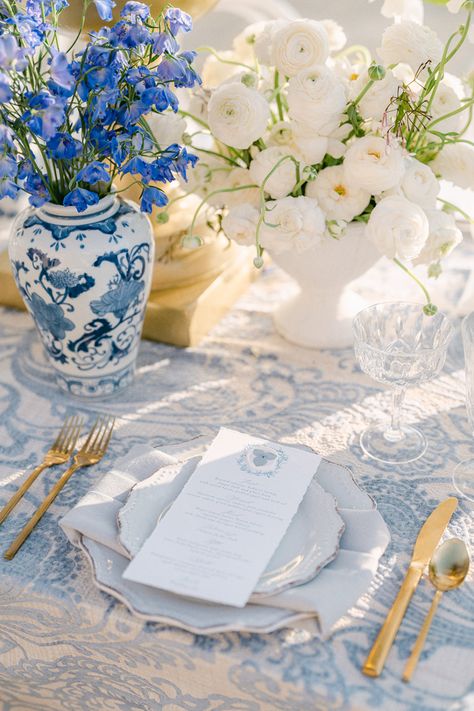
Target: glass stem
{"type": "Point", "coordinates": [395, 432]}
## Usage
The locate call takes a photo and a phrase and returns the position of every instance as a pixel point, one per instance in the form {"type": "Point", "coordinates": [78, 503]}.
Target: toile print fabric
{"type": "Point", "coordinates": [65, 645]}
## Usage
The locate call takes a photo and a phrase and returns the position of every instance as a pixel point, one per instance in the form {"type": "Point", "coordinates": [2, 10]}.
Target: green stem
{"type": "Point", "coordinates": [225, 61]}
{"type": "Point", "coordinates": [194, 118]}
{"type": "Point", "coordinates": [457, 209]}
{"type": "Point", "coordinates": [211, 194]}
{"type": "Point", "coordinates": [276, 85]}
{"type": "Point", "coordinates": [415, 279]}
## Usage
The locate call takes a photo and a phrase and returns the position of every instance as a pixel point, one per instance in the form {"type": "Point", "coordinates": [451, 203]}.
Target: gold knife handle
{"type": "Point", "coordinates": [378, 654]}
{"type": "Point", "coordinates": [21, 491]}
{"type": "Point", "coordinates": [40, 511]}
{"type": "Point", "coordinates": [419, 644]}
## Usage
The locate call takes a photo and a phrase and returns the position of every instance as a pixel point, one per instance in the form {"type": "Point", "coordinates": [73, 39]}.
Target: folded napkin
{"type": "Point", "coordinates": [92, 526]}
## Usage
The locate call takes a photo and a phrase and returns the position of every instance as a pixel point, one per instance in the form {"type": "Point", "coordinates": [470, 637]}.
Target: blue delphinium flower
{"type": "Point", "coordinates": [178, 20]}
{"type": "Point", "coordinates": [9, 50]}
{"type": "Point", "coordinates": [92, 103]}
{"type": "Point", "coordinates": [152, 196]}
{"type": "Point", "coordinates": [8, 188]}
{"type": "Point", "coordinates": [36, 186]}
{"type": "Point", "coordinates": [5, 90]}
{"type": "Point", "coordinates": [93, 173]}
{"type": "Point", "coordinates": [81, 199]}
{"type": "Point", "coordinates": [63, 146]}
{"type": "Point", "coordinates": [104, 8]}
{"type": "Point", "coordinates": [135, 10]}
{"type": "Point", "coordinates": [61, 71]}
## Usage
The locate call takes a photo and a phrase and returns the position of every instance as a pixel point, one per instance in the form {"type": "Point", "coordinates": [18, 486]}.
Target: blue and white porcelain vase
{"type": "Point", "coordinates": [85, 279]}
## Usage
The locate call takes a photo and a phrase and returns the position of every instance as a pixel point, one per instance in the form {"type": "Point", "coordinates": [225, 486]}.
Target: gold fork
{"type": "Point", "coordinates": [59, 453]}
{"type": "Point", "coordinates": [90, 453]}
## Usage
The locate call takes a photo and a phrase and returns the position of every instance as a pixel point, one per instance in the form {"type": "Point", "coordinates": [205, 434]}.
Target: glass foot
{"type": "Point", "coordinates": [376, 445]}
{"type": "Point", "coordinates": [463, 479]}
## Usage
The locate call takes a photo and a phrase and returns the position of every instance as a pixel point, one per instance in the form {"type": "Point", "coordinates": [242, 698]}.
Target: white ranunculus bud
{"type": "Point", "coordinates": [419, 184]}
{"type": "Point", "coordinates": [298, 45]}
{"type": "Point", "coordinates": [283, 179]}
{"type": "Point", "coordinates": [339, 198]}
{"type": "Point", "coordinates": [412, 44]}
{"type": "Point", "coordinates": [444, 102]}
{"type": "Point", "coordinates": [237, 178]}
{"type": "Point", "coordinates": [455, 162]}
{"type": "Point", "coordinates": [398, 228]}
{"type": "Point", "coordinates": [373, 165]}
{"type": "Point", "coordinates": [336, 35]}
{"type": "Point", "coordinates": [167, 128]}
{"type": "Point", "coordinates": [292, 224]}
{"type": "Point", "coordinates": [238, 116]}
{"type": "Point", "coordinates": [317, 97]}
{"type": "Point", "coordinates": [444, 236]}
{"type": "Point", "coordinates": [240, 223]}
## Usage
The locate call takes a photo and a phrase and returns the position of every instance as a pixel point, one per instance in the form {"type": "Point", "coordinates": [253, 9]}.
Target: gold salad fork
{"type": "Point", "coordinates": [90, 453]}
{"type": "Point", "coordinates": [59, 453]}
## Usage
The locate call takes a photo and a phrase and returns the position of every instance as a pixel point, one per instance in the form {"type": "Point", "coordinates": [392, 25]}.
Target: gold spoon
{"type": "Point", "coordinates": [448, 568]}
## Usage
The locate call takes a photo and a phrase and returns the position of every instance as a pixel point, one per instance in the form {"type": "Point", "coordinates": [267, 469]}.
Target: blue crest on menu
{"type": "Point", "coordinates": [262, 459]}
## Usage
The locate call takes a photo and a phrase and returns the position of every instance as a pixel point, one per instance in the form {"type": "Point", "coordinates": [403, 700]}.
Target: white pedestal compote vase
{"type": "Point", "coordinates": [85, 278]}
{"type": "Point", "coordinates": [320, 315]}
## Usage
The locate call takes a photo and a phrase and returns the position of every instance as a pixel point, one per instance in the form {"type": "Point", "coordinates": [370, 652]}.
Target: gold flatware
{"type": "Point", "coordinates": [90, 453]}
{"type": "Point", "coordinates": [59, 453]}
{"type": "Point", "coordinates": [428, 538]}
{"type": "Point", "coordinates": [448, 569]}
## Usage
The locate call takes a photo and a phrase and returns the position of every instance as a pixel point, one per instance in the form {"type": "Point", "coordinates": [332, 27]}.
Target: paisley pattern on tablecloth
{"type": "Point", "coordinates": [64, 645]}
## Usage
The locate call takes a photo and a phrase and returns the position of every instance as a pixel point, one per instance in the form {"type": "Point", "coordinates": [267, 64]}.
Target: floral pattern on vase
{"type": "Point", "coordinates": [85, 279]}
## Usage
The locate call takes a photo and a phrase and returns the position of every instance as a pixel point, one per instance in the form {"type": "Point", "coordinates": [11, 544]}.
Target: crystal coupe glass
{"type": "Point", "coordinates": [397, 344]}
{"type": "Point", "coordinates": [463, 475]}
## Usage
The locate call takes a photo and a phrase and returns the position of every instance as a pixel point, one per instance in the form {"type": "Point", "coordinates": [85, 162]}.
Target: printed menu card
{"type": "Point", "coordinates": [223, 528]}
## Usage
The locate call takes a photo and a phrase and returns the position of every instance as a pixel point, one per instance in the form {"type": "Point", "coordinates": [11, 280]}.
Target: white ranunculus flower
{"type": "Point", "coordinates": [419, 184]}
{"type": "Point", "coordinates": [214, 71]}
{"type": "Point", "coordinates": [349, 72]}
{"type": "Point", "coordinates": [377, 99]}
{"type": "Point", "coordinates": [244, 43]}
{"type": "Point", "coordinates": [300, 44]}
{"type": "Point", "coordinates": [282, 180]}
{"type": "Point", "coordinates": [455, 162]}
{"type": "Point", "coordinates": [403, 10]}
{"type": "Point", "coordinates": [445, 101]}
{"type": "Point", "coordinates": [238, 115]}
{"type": "Point", "coordinates": [339, 198]}
{"type": "Point", "coordinates": [237, 178]}
{"type": "Point", "coordinates": [398, 228]}
{"type": "Point", "coordinates": [444, 236]}
{"type": "Point", "coordinates": [311, 147]}
{"type": "Point", "coordinates": [298, 225]}
{"type": "Point", "coordinates": [167, 128]}
{"type": "Point", "coordinates": [336, 35]}
{"type": "Point", "coordinates": [264, 40]}
{"type": "Point", "coordinates": [317, 97]}
{"type": "Point", "coordinates": [240, 223]}
{"type": "Point", "coordinates": [373, 165]}
{"type": "Point", "coordinates": [412, 44]}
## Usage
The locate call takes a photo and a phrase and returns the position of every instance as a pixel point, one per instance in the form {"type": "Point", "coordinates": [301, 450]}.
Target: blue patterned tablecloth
{"type": "Point", "coordinates": [66, 646]}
